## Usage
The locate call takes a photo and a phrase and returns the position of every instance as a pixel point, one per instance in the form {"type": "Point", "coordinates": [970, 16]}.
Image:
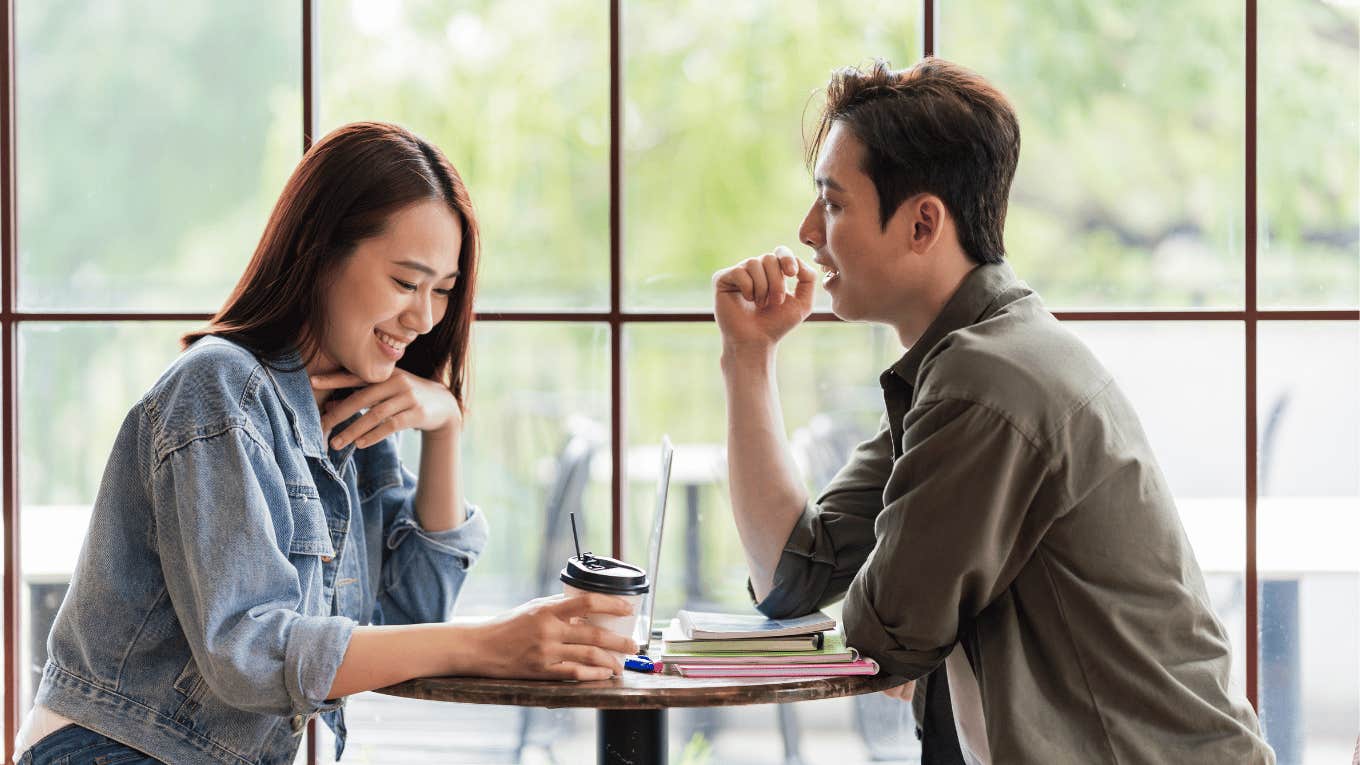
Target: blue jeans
{"type": "Point", "coordinates": [74, 745]}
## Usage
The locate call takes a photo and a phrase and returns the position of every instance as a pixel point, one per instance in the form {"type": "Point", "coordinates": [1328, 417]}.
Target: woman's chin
{"type": "Point", "coordinates": [372, 373]}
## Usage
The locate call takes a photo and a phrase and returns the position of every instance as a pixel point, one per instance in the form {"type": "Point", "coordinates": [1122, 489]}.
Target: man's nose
{"type": "Point", "coordinates": [810, 233]}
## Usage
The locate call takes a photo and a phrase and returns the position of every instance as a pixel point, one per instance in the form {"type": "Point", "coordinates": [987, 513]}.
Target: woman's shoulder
{"type": "Point", "coordinates": [213, 381]}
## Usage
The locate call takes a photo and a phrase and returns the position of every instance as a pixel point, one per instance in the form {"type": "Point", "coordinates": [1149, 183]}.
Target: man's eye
{"type": "Point", "coordinates": [409, 287]}
{"type": "Point", "coordinates": [829, 205]}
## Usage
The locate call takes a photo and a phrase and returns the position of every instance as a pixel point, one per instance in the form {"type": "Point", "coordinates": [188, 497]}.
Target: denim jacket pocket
{"type": "Point", "coordinates": [311, 534]}
{"type": "Point", "coordinates": [191, 687]}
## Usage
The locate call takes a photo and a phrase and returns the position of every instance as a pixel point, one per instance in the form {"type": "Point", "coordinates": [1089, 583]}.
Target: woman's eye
{"type": "Point", "coordinates": [409, 287]}
{"type": "Point", "coordinates": [443, 292]}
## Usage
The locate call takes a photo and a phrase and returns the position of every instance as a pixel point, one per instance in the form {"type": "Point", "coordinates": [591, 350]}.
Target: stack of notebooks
{"type": "Point", "coordinates": [704, 644]}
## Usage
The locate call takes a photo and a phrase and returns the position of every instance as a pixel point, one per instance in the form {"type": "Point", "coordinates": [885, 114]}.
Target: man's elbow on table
{"type": "Point", "coordinates": [896, 652]}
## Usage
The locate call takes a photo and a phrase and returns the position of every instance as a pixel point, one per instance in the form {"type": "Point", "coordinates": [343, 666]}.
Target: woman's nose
{"type": "Point", "coordinates": [419, 317]}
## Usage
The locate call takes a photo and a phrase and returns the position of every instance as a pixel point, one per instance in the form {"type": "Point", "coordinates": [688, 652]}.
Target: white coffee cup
{"type": "Point", "coordinates": [608, 576]}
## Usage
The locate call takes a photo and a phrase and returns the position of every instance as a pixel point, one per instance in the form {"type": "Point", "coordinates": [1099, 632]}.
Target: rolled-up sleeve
{"type": "Point", "coordinates": [423, 571]}
{"type": "Point", "coordinates": [229, 579]}
{"type": "Point", "coordinates": [960, 521]}
{"type": "Point", "coordinates": [834, 535]}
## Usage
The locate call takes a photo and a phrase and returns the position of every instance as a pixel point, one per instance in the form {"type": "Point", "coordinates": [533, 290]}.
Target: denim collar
{"type": "Point", "coordinates": [295, 388]}
{"type": "Point", "coordinates": [978, 296]}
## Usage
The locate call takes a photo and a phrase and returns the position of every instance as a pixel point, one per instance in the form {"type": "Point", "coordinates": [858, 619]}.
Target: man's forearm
{"type": "Point", "coordinates": [767, 493]}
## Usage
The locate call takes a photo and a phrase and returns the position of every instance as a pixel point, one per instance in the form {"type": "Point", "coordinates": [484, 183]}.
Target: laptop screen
{"type": "Point", "coordinates": [663, 481]}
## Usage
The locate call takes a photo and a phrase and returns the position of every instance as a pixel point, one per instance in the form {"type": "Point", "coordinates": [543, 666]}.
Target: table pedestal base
{"type": "Point", "coordinates": [632, 736]}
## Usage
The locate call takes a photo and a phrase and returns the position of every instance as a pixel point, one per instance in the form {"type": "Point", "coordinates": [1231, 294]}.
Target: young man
{"type": "Point", "coordinates": [1008, 528]}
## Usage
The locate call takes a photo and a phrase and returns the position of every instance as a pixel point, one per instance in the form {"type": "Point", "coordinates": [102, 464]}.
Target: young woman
{"type": "Point", "coordinates": [257, 552]}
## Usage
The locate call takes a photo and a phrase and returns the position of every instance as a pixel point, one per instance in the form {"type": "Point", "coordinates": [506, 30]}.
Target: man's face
{"type": "Point", "coordinates": [861, 261]}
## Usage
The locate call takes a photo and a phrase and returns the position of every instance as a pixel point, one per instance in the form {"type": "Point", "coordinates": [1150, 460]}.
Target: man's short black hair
{"type": "Point", "coordinates": [938, 128]}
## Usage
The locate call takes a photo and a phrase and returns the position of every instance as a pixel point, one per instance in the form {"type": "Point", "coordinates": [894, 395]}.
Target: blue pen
{"type": "Point", "coordinates": [641, 663]}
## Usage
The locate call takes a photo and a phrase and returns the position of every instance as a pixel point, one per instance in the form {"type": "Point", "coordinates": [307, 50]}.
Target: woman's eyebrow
{"type": "Point", "coordinates": [424, 269]}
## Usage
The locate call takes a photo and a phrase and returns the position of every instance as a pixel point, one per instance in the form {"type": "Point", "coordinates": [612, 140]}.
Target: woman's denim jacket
{"type": "Point", "coordinates": [229, 557]}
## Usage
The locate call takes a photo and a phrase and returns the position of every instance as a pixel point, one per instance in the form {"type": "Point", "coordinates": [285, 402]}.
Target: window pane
{"type": "Point", "coordinates": [1308, 521]}
{"type": "Point", "coordinates": [152, 141]}
{"type": "Point", "coordinates": [715, 97]}
{"type": "Point", "coordinates": [1308, 170]}
{"type": "Point", "coordinates": [1129, 189]}
{"type": "Point", "coordinates": [1185, 381]}
{"type": "Point", "coordinates": [532, 142]}
{"type": "Point", "coordinates": [829, 387]}
{"type": "Point", "coordinates": [539, 413]}
{"type": "Point", "coordinates": [77, 382]}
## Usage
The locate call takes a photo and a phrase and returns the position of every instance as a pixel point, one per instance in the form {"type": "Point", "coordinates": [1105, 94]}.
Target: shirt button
{"type": "Point", "coordinates": [326, 559]}
{"type": "Point", "coordinates": [298, 722]}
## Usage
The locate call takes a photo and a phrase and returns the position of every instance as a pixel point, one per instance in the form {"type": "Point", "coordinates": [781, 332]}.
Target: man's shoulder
{"type": "Point", "coordinates": [1020, 362]}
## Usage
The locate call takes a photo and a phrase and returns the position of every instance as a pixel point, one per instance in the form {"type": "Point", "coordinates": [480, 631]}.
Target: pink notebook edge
{"type": "Point", "coordinates": [860, 667]}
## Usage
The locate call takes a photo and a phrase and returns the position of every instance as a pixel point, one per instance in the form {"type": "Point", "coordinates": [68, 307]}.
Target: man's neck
{"type": "Point", "coordinates": [921, 311]}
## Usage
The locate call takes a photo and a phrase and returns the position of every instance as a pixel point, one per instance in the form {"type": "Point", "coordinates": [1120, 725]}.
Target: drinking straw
{"type": "Point", "coordinates": [574, 537]}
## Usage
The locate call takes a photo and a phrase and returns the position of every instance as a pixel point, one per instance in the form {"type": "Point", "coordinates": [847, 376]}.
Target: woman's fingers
{"type": "Point", "coordinates": [592, 603]}
{"type": "Point", "coordinates": [370, 420]}
{"type": "Point", "coordinates": [591, 656]}
{"type": "Point", "coordinates": [568, 670]}
{"type": "Point", "coordinates": [386, 428]}
{"type": "Point", "coordinates": [590, 635]}
{"type": "Point", "coordinates": [336, 412]}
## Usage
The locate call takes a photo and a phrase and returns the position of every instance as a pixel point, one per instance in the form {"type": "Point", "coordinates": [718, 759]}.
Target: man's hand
{"type": "Point", "coordinates": [902, 692]}
{"type": "Point", "coordinates": [753, 308]}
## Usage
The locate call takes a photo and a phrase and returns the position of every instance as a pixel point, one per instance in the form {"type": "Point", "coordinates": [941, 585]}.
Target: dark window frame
{"type": "Point", "coordinates": [617, 319]}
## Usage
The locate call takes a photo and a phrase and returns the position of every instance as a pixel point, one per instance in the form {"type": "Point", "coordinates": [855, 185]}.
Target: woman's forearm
{"type": "Point", "coordinates": [379, 656]}
{"type": "Point", "coordinates": [439, 493]}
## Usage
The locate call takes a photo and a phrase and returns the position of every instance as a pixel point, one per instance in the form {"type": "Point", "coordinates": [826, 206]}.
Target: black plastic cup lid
{"type": "Point", "coordinates": [596, 573]}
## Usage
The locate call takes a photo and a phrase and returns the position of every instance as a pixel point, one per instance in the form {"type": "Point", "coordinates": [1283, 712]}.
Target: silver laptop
{"type": "Point", "coordinates": [663, 482]}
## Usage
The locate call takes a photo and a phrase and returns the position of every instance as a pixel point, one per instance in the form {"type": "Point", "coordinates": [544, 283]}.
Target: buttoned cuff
{"type": "Point", "coordinates": [316, 647]}
{"type": "Point", "coordinates": [803, 572]}
{"type": "Point", "coordinates": [464, 542]}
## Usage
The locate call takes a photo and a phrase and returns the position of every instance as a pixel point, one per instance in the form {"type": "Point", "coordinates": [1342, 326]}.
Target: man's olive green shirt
{"type": "Point", "coordinates": [1010, 502]}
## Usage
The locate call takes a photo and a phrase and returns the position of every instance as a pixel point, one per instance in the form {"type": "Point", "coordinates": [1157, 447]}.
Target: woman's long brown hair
{"type": "Point", "coordinates": [342, 192]}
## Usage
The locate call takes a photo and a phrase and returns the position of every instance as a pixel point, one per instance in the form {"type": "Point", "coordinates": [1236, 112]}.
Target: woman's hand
{"type": "Point", "coordinates": [546, 639]}
{"type": "Point", "coordinates": [400, 402]}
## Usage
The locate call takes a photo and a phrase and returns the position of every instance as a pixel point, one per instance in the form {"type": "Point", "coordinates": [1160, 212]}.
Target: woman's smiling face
{"type": "Point", "coordinates": [393, 288]}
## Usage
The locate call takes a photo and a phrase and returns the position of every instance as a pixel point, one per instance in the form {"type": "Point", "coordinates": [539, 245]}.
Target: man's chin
{"type": "Point", "coordinates": [843, 311]}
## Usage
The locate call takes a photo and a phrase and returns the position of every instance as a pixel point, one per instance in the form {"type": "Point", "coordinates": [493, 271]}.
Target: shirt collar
{"type": "Point", "coordinates": [976, 297]}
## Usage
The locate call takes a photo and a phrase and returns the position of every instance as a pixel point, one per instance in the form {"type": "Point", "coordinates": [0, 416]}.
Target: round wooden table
{"type": "Point", "coordinates": [632, 708]}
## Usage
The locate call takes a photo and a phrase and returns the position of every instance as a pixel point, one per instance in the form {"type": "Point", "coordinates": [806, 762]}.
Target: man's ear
{"type": "Point", "coordinates": [925, 220]}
